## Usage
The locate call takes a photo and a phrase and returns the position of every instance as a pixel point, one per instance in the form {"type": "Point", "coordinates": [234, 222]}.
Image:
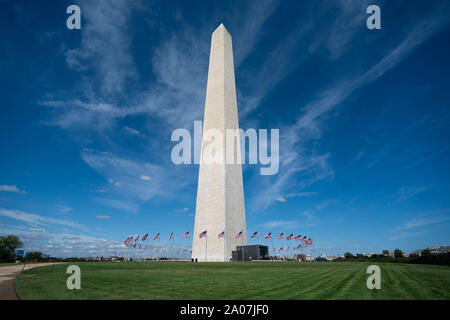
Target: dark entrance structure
{"type": "Point", "coordinates": [251, 252]}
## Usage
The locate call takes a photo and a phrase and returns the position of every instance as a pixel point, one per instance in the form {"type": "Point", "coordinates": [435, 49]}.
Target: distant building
{"type": "Point", "coordinates": [301, 257]}
{"type": "Point", "coordinates": [331, 258]}
{"type": "Point", "coordinates": [368, 254]}
{"type": "Point", "coordinates": [433, 250]}
{"type": "Point", "coordinates": [439, 249]}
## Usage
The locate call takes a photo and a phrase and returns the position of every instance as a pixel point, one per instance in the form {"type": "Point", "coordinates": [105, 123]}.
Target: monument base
{"type": "Point", "coordinates": [251, 252]}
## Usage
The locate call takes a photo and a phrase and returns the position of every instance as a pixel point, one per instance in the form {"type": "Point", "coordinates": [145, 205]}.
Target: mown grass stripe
{"type": "Point", "coordinates": [164, 280]}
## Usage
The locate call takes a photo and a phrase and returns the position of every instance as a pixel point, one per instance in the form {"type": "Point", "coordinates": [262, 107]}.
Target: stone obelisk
{"type": "Point", "coordinates": [220, 194]}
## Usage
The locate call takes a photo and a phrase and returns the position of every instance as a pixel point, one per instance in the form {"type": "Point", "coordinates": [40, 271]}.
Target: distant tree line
{"type": "Point", "coordinates": [8, 246]}
{"type": "Point", "coordinates": [425, 258]}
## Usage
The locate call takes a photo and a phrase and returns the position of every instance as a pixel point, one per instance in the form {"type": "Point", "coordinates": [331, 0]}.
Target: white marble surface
{"type": "Point", "coordinates": [220, 195]}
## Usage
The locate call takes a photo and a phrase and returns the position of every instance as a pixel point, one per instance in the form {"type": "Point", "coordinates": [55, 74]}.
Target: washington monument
{"type": "Point", "coordinates": [220, 194]}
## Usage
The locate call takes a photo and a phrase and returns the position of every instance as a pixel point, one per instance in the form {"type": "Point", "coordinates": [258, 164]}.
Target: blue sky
{"type": "Point", "coordinates": [87, 117]}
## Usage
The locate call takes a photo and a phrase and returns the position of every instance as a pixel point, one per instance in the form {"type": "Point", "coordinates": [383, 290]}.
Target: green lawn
{"type": "Point", "coordinates": [273, 280]}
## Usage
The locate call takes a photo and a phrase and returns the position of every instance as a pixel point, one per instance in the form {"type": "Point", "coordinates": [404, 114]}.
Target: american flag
{"type": "Point", "coordinates": [221, 235]}
{"type": "Point", "coordinates": [273, 250]}
{"type": "Point", "coordinates": [309, 242]}
{"type": "Point", "coordinates": [171, 236]}
{"type": "Point", "coordinates": [145, 237]}
{"type": "Point", "coordinates": [287, 249]}
{"type": "Point", "coordinates": [268, 236]}
{"type": "Point", "coordinates": [289, 237]}
{"type": "Point", "coordinates": [156, 237]}
{"type": "Point", "coordinates": [134, 245]}
{"type": "Point", "coordinates": [185, 251]}
{"type": "Point", "coordinates": [254, 235]}
{"type": "Point", "coordinates": [186, 235]}
{"type": "Point", "coordinates": [127, 240]}
{"type": "Point", "coordinates": [304, 239]}
{"type": "Point", "coordinates": [203, 234]}
{"type": "Point", "coordinates": [239, 235]}
{"type": "Point", "coordinates": [280, 236]}
{"type": "Point", "coordinates": [281, 249]}
{"type": "Point", "coordinates": [299, 237]}
{"type": "Point", "coordinates": [137, 239]}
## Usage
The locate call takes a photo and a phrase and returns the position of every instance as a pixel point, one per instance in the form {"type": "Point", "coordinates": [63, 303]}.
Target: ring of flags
{"type": "Point", "coordinates": [131, 241]}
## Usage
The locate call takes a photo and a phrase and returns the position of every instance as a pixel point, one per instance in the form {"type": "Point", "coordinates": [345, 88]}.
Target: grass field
{"type": "Point", "coordinates": [275, 280]}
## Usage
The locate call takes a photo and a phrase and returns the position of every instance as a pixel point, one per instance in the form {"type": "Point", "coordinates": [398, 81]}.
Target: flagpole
{"type": "Point", "coordinates": [206, 251]}
{"type": "Point", "coordinates": [224, 250]}
{"type": "Point", "coordinates": [272, 243]}
{"type": "Point", "coordinates": [243, 253]}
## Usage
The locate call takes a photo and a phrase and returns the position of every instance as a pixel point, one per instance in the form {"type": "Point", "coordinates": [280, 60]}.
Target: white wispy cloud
{"type": "Point", "coordinates": [37, 220]}
{"type": "Point", "coordinates": [125, 205]}
{"type": "Point", "coordinates": [11, 188]}
{"type": "Point", "coordinates": [126, 183]}
{"type": "Point", "coordinates": [300, 43]}
{"type": "Point", "coordinates": [256, 14]}
{"type": "Point", "coordinates": [295, 157]}
{"type": "Point", "coordinates": [340, 34]}
{"type": "Point", "coordinates": [407, 192]}
{"type": "Point", "coordinates": [133, 132]}
{"type": "Point", "coordinates": [126, 174]}
{"type": "Point", "coordinates": [311, 219]}
{"type": "Point", "coordinates": [427, 218]}
{"type": "Point", "coordinates": [103, 217]}
{"type": "Point", "coordinates": [176, 97]}
{"type": "Point", "coordinates": [326, 203]}
{"type": "Point", "coordinates": [62, 244]}
{"type": "Point", "coordinates": [279, 224]}
{"type": "Point", "coordinates": [293, 195]}
{"type": "Point", "coordinates": [403, 235]}
{"type": "Point", "coordinates": [105, 44]}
